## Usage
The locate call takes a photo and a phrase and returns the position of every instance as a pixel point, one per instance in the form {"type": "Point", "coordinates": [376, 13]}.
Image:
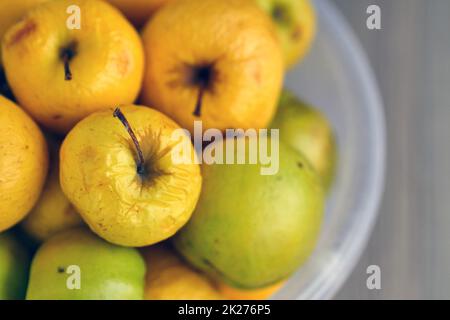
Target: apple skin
{"type": "Point", "coordinates": [106, 62]}
{"type": "Point", "coordinates": [170, 278]}
{"type": "Point", "coordinates": [108, 272]}
{"type": "Point", "coordinates": [23, 165]}
{"type": "Point", "coordinates": [11, 11]}
{"type": "Point", "coordinates": [229, 47]}
{"type": "Point", "coordinates": [138, 11]}
{"type": "Point", "coordinates": [250, 230]}
{"type": "Point", "coordinates": [53, 212]}
{"type": "Point", "coordinates": [98, 175]}
{"type": "Point", "coordinates": [307, 130]}
{"type": "Point", "coordinates": [14, 264]}
{"type": "Point", "coordinates": [296, 25]}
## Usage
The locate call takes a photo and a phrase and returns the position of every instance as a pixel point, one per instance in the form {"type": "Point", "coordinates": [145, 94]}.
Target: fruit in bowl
{"type": "Point", "coordinates": [307, 130]}
{"type": "Point", "coordinates": [76, 264]}
{"type": "Point", "coordinates": [72, 72]}
{"type": "Point", "coordinates": [118, 171]}
{"type": "Point", "coordinates": [233, 230]}
{"type": "Point", "coordinates": [251, 230]}
{"type": "Point", "coordinates": [228, 72]}
{"type": "Point", "coordinates": [170, 278]}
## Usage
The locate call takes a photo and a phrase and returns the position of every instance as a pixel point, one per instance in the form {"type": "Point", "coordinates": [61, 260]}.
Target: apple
{"type": "Point", "coordinates": [307, 130]}
{"type": "Point", "coordinates": [53, 212]}
{"type": "Point", "coordinates": [23, 165]}
{"type": "Point", "coordinates": [59, 74]}
{"type": "Point", "coordinates": [217, 61]}
{"type": "Point", "coordinates": [14, 264]}
{"type": "Point", "coordinates": [169, 278]}
{"type": "Point", "coordinates": [252, 230]}
{"type": "Point", "coordinates": [77, 265]}
{"type": "Point", "coordinates": [118, 170]}
{"type": "Point", "coordinates": [138, 11]}
{"type": "Point", "coordinates": [296, 25]}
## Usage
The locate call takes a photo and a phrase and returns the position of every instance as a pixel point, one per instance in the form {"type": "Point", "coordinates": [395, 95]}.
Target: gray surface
{"type": "Point", "coordinates": [411, 59]}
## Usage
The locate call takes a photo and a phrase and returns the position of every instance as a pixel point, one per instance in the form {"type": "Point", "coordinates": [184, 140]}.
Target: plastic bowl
{"type": "Point", "coordinates": [337, 78]}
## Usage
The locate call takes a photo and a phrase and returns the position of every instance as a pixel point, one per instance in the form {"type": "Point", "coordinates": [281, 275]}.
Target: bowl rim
{"type": "Point", "coordinates": [333, 276]}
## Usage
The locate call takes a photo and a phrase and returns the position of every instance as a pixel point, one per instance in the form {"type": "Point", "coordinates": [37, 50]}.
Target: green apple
{"type": "Point", "coordinates": [308, 131]}
{"type": "Point", "coordinates": [77, 265]}
{"type": "Point", "coordinates": [14, 264]}
{"type": "Point", "coordinates": [295, 21]}
{"type": "Point", "coordinates": [252, 230]}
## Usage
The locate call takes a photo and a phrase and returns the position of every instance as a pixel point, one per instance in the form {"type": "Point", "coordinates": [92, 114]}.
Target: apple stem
{"type": "Point", "coordinates": [141, 162]}
{"type": "Point", "coordinates": [66, 60]}
{"type": "Point", "coordinates": [198, 106]}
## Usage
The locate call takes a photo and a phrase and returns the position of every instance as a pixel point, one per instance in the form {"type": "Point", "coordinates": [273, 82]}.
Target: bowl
{"type": "Point", "coordinates": [336, 77]}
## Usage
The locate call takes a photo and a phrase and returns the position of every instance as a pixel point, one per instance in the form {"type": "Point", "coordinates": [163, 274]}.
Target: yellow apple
{"type": "Point", "coordinates": [11, 11]}
{"type": "Point", "coordinates": [218, 61]}
{"type": "Point", "coordinates": [138, 11]}
{"type": "Point", "coordinates": [53, 212]}
{"type": "Point", "coordinates": [23, 165]}
{"type": "Point", "coordinates": [124, 181]}
{"type": "Point", "coordinates": [169, 278]}
{"type": "Point", "coordinates": [59, 74]}
{"type": "Point", "coordinates": [295, 21]}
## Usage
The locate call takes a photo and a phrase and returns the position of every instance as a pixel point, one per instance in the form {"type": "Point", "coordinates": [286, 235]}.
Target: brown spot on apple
{"type": "Point", "coordinates": [27, 28]}
{"type": "Point", "coordinates": [297, 33]}
{"type": "Point", "coordinates": [123, 63]}
{"type": "Point", "coordinates": [88, 153]}
{"type": "Point", "coordinates": [257, 76]}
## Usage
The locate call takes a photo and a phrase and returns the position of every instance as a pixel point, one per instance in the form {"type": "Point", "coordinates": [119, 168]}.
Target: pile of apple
{"type": "Point", "coordinates": [93, 205]}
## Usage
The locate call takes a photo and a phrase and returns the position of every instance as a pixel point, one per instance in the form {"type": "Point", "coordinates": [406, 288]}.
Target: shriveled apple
{"type": "Point", "coordinates": [218, 61]}
{"type": "Point", "coordinates": [118, 170]}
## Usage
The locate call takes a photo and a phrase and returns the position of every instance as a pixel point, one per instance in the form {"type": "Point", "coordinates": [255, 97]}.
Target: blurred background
{"type": "Point", "coordinates": [411, 59]}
